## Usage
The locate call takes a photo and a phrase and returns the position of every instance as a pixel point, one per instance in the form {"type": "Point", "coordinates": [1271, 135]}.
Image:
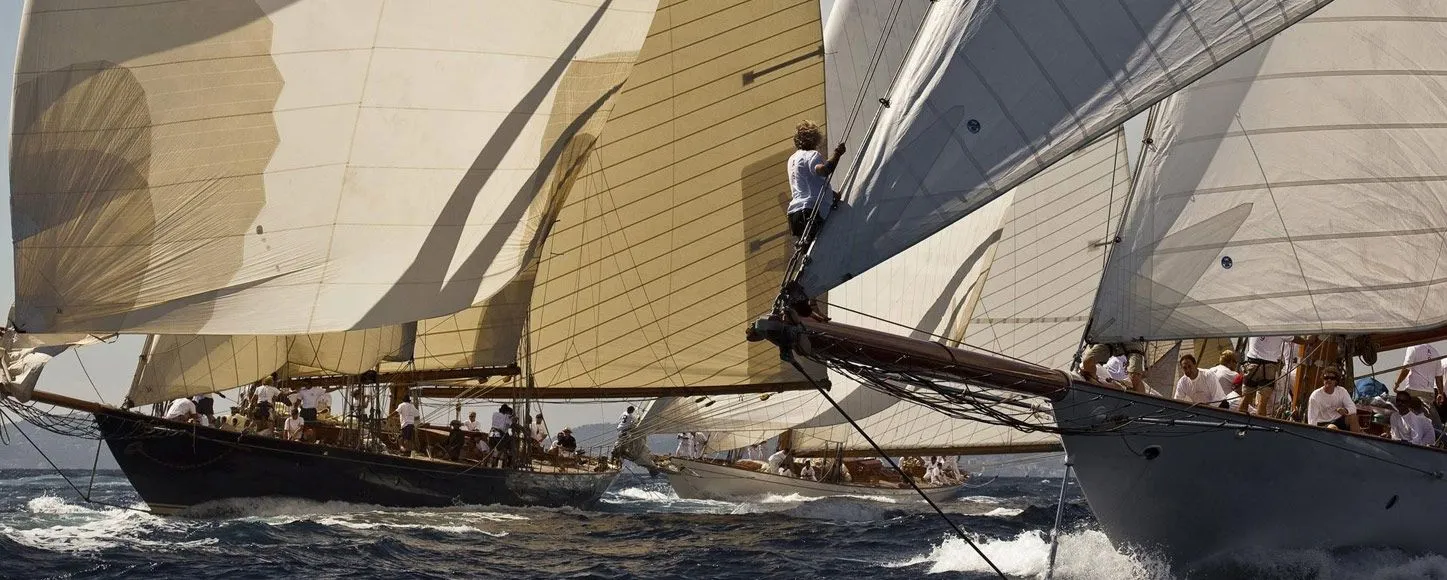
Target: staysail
{"type": "Point", "coordinates": [995, 92]}
{"type": "Point", "coordinates": [195, 167]}
{"type": "Point", "coordinates": [1255, 215]}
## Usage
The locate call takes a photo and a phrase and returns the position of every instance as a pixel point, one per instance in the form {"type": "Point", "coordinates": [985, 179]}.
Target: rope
{"type": "Point", "coordinates": [83, 495]}
{"type": "Point", "coordinates": [905, 476]}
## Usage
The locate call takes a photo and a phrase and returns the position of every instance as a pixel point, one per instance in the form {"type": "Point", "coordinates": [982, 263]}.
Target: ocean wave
{"type": "Point", "coordinates": [1085, 555]}
{"type": "Point", "coordinates": [53, 524]}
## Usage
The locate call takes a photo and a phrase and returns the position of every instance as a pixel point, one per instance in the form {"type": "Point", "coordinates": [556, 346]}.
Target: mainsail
{"type": "Point", "coordinates": [197, 167]}
{"type": "Point", "coordinates": [675, 231]}
{"type": "Point", "coordinates": [995, 92]}
{"type": "Point", "coordinates": [1256, 215]}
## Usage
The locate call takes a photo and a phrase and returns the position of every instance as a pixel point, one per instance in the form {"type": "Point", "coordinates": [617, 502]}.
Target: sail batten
{"type": "Point", "coordinates": [1258, 216]}
{"type": "Point", "coordinates": [995, 92]}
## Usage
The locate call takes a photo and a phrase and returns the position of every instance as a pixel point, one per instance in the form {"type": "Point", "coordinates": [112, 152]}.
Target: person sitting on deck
{"type": "Point", "coordinates": [472, 424]}
{"type": "Point", "coordinates": [407, 416]}
{"type": "Point", "coordinates": [1331, 406]}
{"type": "Point", "coordinates": [1196, 385]}
{"type": "Point", "coordinates": [1135, 353]}
{"type": "Point", "coordinates": [808, 472]}
{"type": "Point", "coordinates": [1400, 429]}
{"type": "Point", "coordinates": [933, 473]}
{"type": "Point", "coordinates": [292, 429]}
{"type": "Point", "coordinates": [809, 180]}
{"type": "Point", "coordinates": [1226, 374]}
{"type": "Point", "coordinates": [565, 442]}
{"type": "Point", "coordinates": [456, 440]}
{"type": "Point", "coordinates": [1423, 433]}
{"type": "Point", "coordinates": [1423, 376]}
{"type": "Point", "coordinates": [182, 409]}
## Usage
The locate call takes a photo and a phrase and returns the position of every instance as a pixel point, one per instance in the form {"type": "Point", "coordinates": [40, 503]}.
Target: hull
{"type": "Point", "coordinates": [175, 466]}
{"type": "Point", "coordinates": [1194, 483]}
{"type": "Point", "coordinates": [704, 480]}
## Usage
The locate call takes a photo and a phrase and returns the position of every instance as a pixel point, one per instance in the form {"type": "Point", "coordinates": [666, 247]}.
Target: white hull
{"type": "Point", "coordinates": [703, 480]}
{"type": "Point", "coordinates": [1175, 481]}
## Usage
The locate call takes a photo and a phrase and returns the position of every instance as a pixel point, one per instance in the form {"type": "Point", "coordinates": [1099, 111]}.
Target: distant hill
{"type": "Point", "coordinates": [66, 452]}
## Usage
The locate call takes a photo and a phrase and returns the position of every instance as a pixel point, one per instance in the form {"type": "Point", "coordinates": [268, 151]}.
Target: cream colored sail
{"type": "Point", "coordinates": [1297, 190]}
{"type": "Point", "coordinates": [995, 92]}
{"type": "Point", "coordinates": [177, 366]}
{"type": "Point", "coordinates": [289, 167]}
{"type": "Point", "coordinates": [675, 233]}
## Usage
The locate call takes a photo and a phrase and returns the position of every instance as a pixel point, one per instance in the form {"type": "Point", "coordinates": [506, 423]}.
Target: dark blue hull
{"type": "Point", "coordinates": [175, 466]}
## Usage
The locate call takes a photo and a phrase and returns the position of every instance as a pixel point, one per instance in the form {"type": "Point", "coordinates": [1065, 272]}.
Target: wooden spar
{"type": "Point", "coordinates": [66, 402]}
{"type": "Point", "coordinates": [919, 357]}
{"type": "Point", "coordinates": [479, 373]}
{"type": "Point", "coordinates": [517, 392]}
{"type": "Point", "coordinates": [908, 451]}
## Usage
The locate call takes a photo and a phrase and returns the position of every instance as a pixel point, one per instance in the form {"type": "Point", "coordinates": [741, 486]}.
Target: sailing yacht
{"type": "Point", "coordinates": [356, 197]}
{"type": "Point", "coordinates": [1290, 184]}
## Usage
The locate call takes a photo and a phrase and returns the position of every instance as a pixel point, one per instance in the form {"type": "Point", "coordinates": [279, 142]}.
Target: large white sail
{"type": "Point", "coordinates": [201, 167]}
{"type": "Point", "coordinates": [1258, 214]}
{"type": "Point", "coordinates": [865, 44]}
{"type": "Point", "coordinates": [995, 92]}
{"type": "Point", "coordinates": [675, 233]}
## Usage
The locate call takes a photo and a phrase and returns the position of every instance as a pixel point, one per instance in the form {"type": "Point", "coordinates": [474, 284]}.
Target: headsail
{"type": "Point", "coordinates": [995, 92]}
{"type": "Point", "coordinates": [1255, 215]}
{"type": "Point", "coordinates": [197, 167]}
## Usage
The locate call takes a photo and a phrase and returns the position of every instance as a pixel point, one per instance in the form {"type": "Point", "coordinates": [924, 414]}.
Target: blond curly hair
{"type": "Point", "coordinates": [807, 136]}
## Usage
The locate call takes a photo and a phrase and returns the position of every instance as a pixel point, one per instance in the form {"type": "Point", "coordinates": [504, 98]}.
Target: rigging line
{"type": "Point", "coordinates": [1271, 194]}
{"type": "Point", "coordinates": [62, 474]}
{"type": "Point", "coordinates": [924, 332]}
{"type": "Point", "coordinates": [905, 476]}
{"type": "Point", "coordinates": [98, 396]}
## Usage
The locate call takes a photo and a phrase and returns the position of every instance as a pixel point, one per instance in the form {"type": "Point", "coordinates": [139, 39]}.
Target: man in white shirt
{"type": "Point", "coordinates": [407, 416]}
{"type": "Point", "coordinates": [1226, 377]}
{"type": "Point", "coordinates": [1196, 385]}
{"type": "Point", "coordinates": [1264, 355]}
{"type": "Point", "coordinates": [809, 173]}
{"type": "Point", "coordinates": [1423, 378]}
{"type": "Point", "coordinates": [472, 424]}
{"type": "Point", "coordinates": [808, 472]}
{"type": "Point", "coordinates": [776, 460]}
{"type": "Point", "coordinates": [308, 398]}
{"type": "Point", "coordinates": [182, 409]}
{"type": "Point", "coordinates": [500, 435]}
{"type": "Point", "coordinates": [1423, 433]}
{"type": "Point", "coordinates": [263, 395]}
{"type": "Point", "coordinates": [1331, 405]}
{"type": "Point", "coordinates": [700, 442]}
{"type": "Point", "coordinates": [625, 421]}
{"type": "Point", "coordinates": [294, 423]}
{"type": "Point", "coordinates": [685, 445]}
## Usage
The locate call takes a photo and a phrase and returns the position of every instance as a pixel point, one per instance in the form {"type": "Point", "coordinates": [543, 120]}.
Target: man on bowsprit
{"type": "Point", "coordinates": [809, 179]}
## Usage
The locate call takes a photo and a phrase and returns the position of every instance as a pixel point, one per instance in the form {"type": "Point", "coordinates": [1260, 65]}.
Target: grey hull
{"type": "Point", "coordinates": [1192, 483]}
{"type": "Point", "coordinates": [703, 480]}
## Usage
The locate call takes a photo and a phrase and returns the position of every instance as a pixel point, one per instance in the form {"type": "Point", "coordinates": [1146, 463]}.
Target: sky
{"type": "Point", "coordinates": [103, 371]}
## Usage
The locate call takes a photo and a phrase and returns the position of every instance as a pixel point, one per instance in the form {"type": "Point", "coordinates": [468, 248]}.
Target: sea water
{"type": "Point", "coordinates": [641, 529]}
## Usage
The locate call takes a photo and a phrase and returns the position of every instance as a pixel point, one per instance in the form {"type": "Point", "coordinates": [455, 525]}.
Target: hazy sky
{"type": "Point", "coordinates": [110, 366]}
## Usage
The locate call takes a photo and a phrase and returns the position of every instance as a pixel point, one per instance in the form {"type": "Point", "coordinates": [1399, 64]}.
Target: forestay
{"type": "Point", "coordinates": [675, 233]}
{"type": "Point", "coordinates": [994, 92]}
{"type": "Point", "coordinates": [296, 166]}
{"type": "Point", "coordinates": [1257, 215]}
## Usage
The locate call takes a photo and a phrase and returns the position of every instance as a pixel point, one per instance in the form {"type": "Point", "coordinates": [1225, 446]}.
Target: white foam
{"type": "Point", "coordinates": [1003, 512]}
{"type": "Point", "coordinates": [51, 523]}
{"type": "Point", "coordinates": [1085, 555]}
{"type": "Point", "coordinates": [454, 529]}
{"type": "Point", "coordinates": [985, 499]}
{"type": "Point", "coordinates": [638, 493]}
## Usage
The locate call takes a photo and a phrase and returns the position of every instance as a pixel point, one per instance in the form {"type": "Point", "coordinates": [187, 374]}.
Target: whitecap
{"type": "Point", "coordinates": [1085, 555]}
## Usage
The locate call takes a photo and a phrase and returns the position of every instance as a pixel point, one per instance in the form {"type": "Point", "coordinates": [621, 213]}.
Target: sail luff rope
{"type": "Point", "coordinates": [905, 476]}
